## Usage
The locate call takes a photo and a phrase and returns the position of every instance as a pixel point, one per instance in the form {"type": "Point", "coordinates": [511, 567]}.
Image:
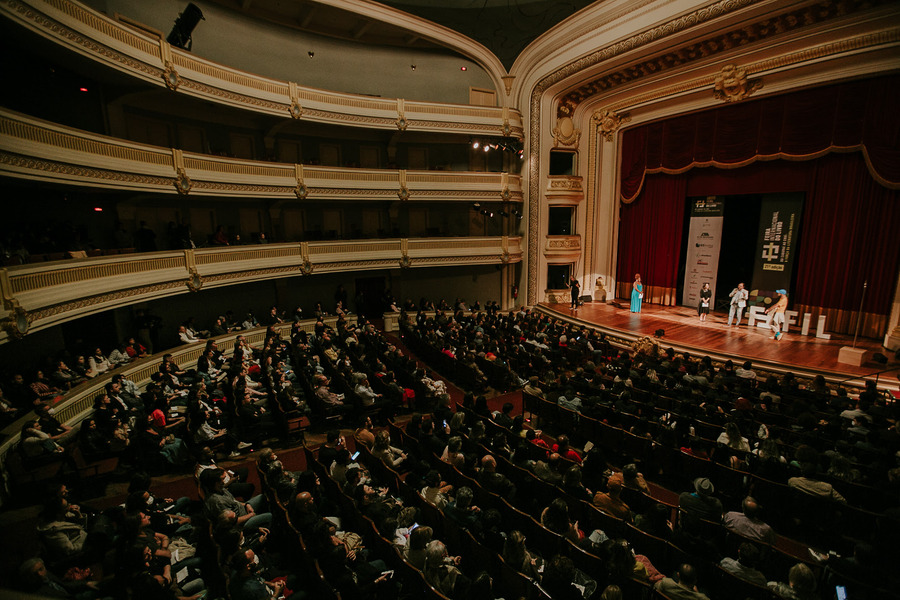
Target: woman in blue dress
{"type": "Point", "coordinates": [637, 294]}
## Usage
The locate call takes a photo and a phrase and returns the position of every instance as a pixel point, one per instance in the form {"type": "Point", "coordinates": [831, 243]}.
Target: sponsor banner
{"type": "Point", "coordinates": [777, 243]}
{"type": "Point", "coordinates": [704, 241]}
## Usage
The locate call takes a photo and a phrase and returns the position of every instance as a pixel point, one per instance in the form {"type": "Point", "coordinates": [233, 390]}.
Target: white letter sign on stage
{"type": "Point", "coordinates": [703, 244]}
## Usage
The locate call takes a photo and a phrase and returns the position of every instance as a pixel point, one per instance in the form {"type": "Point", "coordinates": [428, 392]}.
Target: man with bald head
{"type": "Point", "coordinates": [748, 523]}
{"type": "Point", "coordinates": [303, 513]}
{"type": "Point", "coordinates": [495, 482]}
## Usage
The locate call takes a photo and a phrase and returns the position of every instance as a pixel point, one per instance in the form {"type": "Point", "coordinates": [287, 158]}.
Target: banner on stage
{"type": "Point", "coordinates": [704, 243]}
{"type": "Point", "coordinates": [779, 229]}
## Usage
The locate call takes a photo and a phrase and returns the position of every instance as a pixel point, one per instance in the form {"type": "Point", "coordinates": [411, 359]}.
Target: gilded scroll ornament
{"type": "Point", "coordinates": [609, 122]}
{"type": "Point", "coordinates": [194, 282]}
{"type": "Point", "coordinates": [306, 267]}
{"type": "Point", "coordinates": [295, 110]}
{"type": "Point", "coordinates": [183, 183]}
{"type": "Point", "coordinates": [732, 84]}
{"type": "Point", "coordinates": [301, 191]}
{"type": "Point", "coordinates": [403, 193]}
{"type": "Point", "coordinates": [170, 77]}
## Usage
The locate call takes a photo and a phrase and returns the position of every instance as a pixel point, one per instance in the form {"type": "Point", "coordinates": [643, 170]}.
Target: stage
{"type": "Point", "coordinates": [801, 354]}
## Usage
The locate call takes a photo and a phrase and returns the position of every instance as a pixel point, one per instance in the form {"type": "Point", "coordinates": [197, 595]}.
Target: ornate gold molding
{"type": "Point", "coordinates": [733, 85]}
{"type": "Point", "coordinates": [609, 122]}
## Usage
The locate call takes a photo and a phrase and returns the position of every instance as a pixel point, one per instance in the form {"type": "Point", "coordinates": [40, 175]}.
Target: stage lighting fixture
{"type": "Point", "coordinates": [311, 53]}
{"type": "Point", "coordinates": [475, 144]}
{"type": "Point", "coordinates": [503, 213]}
{"type": "Point", "coordinates": [477, 205]}
{"type": "Point", "coordinates": [487, 147]}
{"type": "Point", "coordinates": [413, 67]}
{"type": "Point", "coordinates": [491, 215]}
{"type": "Point", "coordinates": [180, 36]}
{"type": "Point", "coordinates": [660, 333]}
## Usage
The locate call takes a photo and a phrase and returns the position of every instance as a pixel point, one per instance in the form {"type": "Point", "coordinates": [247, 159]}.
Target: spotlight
{"type": "Point", "coordinates": [311, 53]}
{"type": "Point", "coordinates": [180, 36]}
{"type": "Point", "coordinates": [491, 215]}
{"type": "Point", "coordinates": [487, 147]}
{"type": "Point", "coordinates": [413, 67]}
{"type": "Point", "coordinates": [464, 68]}
{"type": "Point", "coordinates": [503, 213]}
{"type": "Point", "coordinates": [82, 89]}
{"type": "Point", "coordinates": [476, 144]}
{"type": "Point", "coordinates": [476, 205]}
{"type": "Point", "coordinates": [521, 155]}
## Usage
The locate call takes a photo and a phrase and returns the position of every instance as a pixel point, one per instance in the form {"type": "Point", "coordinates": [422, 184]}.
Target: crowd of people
{"type": "Point", "coordinates": [351, 373]}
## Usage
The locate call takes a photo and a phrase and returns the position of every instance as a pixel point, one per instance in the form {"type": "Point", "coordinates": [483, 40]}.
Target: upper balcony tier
{"type": "Point", "coordinates": [150, 58]}
{"type": "Point", "coordinates": [37, 296]}
{"type": "Point", "coordinates": [38, 150]}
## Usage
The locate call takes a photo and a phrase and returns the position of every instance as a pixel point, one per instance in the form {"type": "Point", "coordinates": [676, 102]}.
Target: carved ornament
{"type": "Point", "coordinates": [183, 183]}
{"type": "Point", "coordinates": [732, 84]}
{"type": "Point", "coordinates": [564, 132]}
{"type": "Point", "coordinates": [608, 122]}
{"type": "Point", "coordinates": [170, 77]}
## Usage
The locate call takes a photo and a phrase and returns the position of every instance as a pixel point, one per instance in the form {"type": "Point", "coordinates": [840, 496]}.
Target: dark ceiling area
{"type": "Point", "coordinates": [505, 27]}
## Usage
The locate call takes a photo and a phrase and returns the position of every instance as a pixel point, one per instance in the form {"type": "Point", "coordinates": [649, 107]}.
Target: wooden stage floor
{"type": "Point", "coordinates": [684, 331]}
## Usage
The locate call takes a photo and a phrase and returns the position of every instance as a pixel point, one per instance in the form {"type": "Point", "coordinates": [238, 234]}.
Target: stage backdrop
{"type": "Point", "coordinates": [777, 243]}
{"type": "Point", "coordinates": [704, 243]}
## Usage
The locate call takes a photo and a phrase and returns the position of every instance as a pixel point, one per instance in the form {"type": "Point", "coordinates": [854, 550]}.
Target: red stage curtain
{"type": "Point", "coordinates": [853, 116]}
{"type": "Point", "coordinates": [650, 232]}
{"type": "Point", "coordinates": [848, 236]}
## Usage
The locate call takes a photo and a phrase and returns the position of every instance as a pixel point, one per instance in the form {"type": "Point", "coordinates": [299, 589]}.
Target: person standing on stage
{"type": "Point", "coordinates": [575, 288]}
{"type": "Point", "coordinates": [739, 297]}
{"type": "Point", "coordinates": [637, 294]}
{"type": "Point", "coordinates": [705, 299]}
{"type": "Point", "coordinates": [776, 321]}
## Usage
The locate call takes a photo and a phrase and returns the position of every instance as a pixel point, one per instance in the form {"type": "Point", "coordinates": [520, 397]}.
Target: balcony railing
{"type": "Point", "coordinates": [141, 55]}
{"type": "Point", "coordinates": [37, 296]}
{"type": "Point", "coordinates": [39, 150]}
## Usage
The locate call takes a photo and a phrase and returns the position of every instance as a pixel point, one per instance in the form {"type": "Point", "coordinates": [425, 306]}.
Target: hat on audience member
{"type": "Point", "coordinates": [781, 291]}
{"type": "Point", "coordinates": [704, 486]}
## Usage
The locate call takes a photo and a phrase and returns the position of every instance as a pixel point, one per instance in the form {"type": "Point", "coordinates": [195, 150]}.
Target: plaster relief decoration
{"type": "Point", "coordinates": [504, 186]}
{"type": "Point", "coordinates": [609, 122]}
{"type": "Point", "coordinates": [17, 323]}
{"type": "Point", "coordinates": [295, 110]}
{"type": "Point", "coordinates": [564, 132]}
{"type": "Point", "coordinates": [405, 262]}
{"type": "Point", "coordinates": [170, 75]}
{"type": "Point", "coordinates": [301, 191]}
{"type": "Point", "coordinates": [504, 244]}
{"type": "Point", "coordinates": [401, 115]}
{"type": "Point", "coordinates": [306, 266]}
{"type": "Point", "coordinates": [403, 192]}
{"type": "Point", "coordinates": [183, 183]}
{"type": "Point", "coordinates": [194, 282]}
{"type": "Point", "coordinates": [732, 84]}
{"type": "Point", "coordinates": [506, 128]}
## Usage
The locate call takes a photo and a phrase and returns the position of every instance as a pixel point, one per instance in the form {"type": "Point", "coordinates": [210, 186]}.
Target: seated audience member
{"type": "Point", "coordinates": [516, 555]}
{"type": "Point", "coordinates": [441, 571]}
{"type": "Point", "coordinates": [436, 492]}
{"type": "Point", "coordinates": [462, 511]}
{"type": "Point", "coordinates": [745, 565]}
{"type": "Point", "coordinates": [419, 538]}
{"type": "Point", "coordinates": [748, 523]}
{"type": "Point", "coordinates": [42, 389]}
{"type": "Point", "coordinates": [634, 480]}
{"type": "Point", "coordinates": [562, 448]}
{"type": "Point", "coordinates": [36, 579]}
{"type": "Point", "coordinates": [64, 377]}
{"type": "Point", "coordinates": [382, 449]}
{"type": "Point", "coordinates": [219, 499]}
{"type": "Point", "coordinates": [555, 517]}
{"type": "Point", "coordinates": [494, 482]}
{"type": "Point", "coordinates": [135, 349]}
{"type": "Point", "coordinates": [701, 502]}
{"type": "Point", "coordinates": [36, 445]}
{"type": "Point", "coordinates": [562, 581]}
{"type": "Point", "coordinates": [624, 564]}
{"type": "Point", "coordinates": [684, 587]}
{"type": "Point", "coordinates": [611, 501]}
{"type": "Point", "coordinates": [656, 521]}
{"type": "Point", "coordinates": [61, 537]}
{"type": "Point", "coordinates": [98, 363]}
{"type": "Point", "coordinates": [801, 584]}
{"type": "Point", "coordinates": [809, 484]}
{"type": "Point", "coordinates": [246, 584]}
